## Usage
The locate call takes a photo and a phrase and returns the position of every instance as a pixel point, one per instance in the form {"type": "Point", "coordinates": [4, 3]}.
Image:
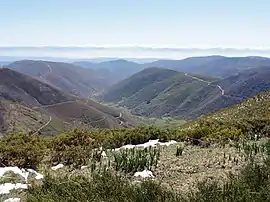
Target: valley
{"type": "Point", "coordinates": [154, 129]}
{"type": "Point", "coordinates": [76, 95]}
{"type": "Point", "coordinates": [134, 101]}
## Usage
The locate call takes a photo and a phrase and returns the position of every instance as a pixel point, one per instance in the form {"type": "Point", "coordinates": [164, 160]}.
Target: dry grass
{"type": "Point", "coordinates": [197, 164]}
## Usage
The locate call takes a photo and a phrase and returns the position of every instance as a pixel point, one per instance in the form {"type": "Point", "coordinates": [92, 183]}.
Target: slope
{"type": "Point", "coordinates": [155, 92]}
{"type": "Point", "coordinates": [16, 118]}
{"type": "Point", "coordinates": [187, 96]}
{"type": "Point", "coordinates": [49, 107]}
{"type": "Point", "coordinates": [226, 92]}
{"type": "Point", "coordinates": [248, 119]}
{"type": "Point", "coordinates": [165, 95]}
{"type": "Point", "coordinates": [63, 76]}
{"type": "Point", "coordinates": [254, 108]}
{"type": "Point", "coordinates": [135, 83]}
{"type": "Point", "coordinates": [23, 89]}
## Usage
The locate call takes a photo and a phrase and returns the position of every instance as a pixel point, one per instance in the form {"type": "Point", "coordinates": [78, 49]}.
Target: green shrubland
{"type": "Point", "coordinates": [233, 126]}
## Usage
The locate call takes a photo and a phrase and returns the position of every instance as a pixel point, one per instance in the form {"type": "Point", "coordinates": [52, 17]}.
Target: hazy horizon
{"type": "Point", "coordinates": [155, 28]}
{"type": "Point", "coordinates": [139, 52]}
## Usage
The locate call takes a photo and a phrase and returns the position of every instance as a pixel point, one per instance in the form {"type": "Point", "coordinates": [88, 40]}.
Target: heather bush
{"type": "Point", "coordinates": [25, 151]}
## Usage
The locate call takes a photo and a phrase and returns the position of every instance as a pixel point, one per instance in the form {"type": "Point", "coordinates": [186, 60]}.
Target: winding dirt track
{"type": "Point", "coordinates": [50, 119]}
{"type": "Point", "coordinates": [209, 83]}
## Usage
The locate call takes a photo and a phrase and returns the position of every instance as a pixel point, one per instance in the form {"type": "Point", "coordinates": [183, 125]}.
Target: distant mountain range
{"type": "Point", "coordinates": [63, 76]}
{"type": "Point", "coordinates": [114, 70]}
{"type": "Point", "coordinates": [185, 88]}
{"type": "Point", "coordinates": [216, 66]}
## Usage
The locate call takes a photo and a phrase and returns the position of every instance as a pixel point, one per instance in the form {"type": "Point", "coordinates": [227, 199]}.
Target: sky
{"type": "Point", "coordinates": [153, 23]}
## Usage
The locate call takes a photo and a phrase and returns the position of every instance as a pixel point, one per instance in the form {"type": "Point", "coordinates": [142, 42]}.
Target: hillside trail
{"type": "Point", "coordinates": [52, 105]}
{"type": "Point", "coordinates": [219, 87]}
{"type": "Point", "coordinates": [47, 123]}
{"type": "Point", "coordinates": [208, 83]}
{"type": "Point", "coordinates": [120, 116]}
{"type": "Point", "coordinates": [50, 68]}
{"type": "Point", "coordinates": [102, 119]}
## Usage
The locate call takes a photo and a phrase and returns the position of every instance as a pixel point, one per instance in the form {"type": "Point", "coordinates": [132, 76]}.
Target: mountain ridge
{"type": "Point", "coordinates": [188, 96]}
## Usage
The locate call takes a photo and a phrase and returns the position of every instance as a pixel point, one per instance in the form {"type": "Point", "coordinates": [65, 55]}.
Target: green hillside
{"type": "Point", "coordinates": [186, 96]}
{"type": "Point", "coordinates": [245, 120]}
{"type": "Point", "coordinates": [176, 90]}
{"type": "Point", "coordinates": [155, 92]}
{"type": "Point", "coordinates": [135, 83]}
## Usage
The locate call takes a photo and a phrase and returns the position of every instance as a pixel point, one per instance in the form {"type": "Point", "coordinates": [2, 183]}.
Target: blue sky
{"type": "Point", "coordinates": [158, 23]}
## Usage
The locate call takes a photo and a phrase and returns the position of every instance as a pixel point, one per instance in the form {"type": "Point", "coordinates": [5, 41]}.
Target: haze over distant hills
{"type": "Point", "coordinates": [84, 52]}
{"type": "Point", "coordinates": [64, 76]}
{"type": "Point", "coordinates": [217, 66]}
{"type": "Point", "coordinates": [114, 70]}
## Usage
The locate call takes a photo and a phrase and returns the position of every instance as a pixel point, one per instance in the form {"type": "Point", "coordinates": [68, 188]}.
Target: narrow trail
{"type": "Point", "coordinates": [48, 122]}
{"type": "Point", "coordinates": [219, 87]}
{"type": "Point", "coordinates": [209, 83]}
{"type": "Point", "coordinates": [222, 90]}
{"type": "Point", "coordinates": [60, 103]}
{"type": "Point", "coordinates": [72, 101]}
{"type": "Point", "coordinates": [43, 77]}
{"type": "Point", "coordinates": [193, 77]}
{"type": "Point", "coordinates": [120, 116]}
{"type": "Point", "coordinates": [50, 68]}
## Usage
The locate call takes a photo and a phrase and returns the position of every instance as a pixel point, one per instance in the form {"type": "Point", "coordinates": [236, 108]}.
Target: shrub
{"type": "Point", "coordinates": [72, 148]}
{"type": "Point", "coordinates": [179, 150]}
{"type": "Point", "coordinates": [24, 151]}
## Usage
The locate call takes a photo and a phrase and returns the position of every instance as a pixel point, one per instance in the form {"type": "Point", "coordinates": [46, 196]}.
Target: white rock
{"type": "Point", "coordinates": [128, 146]}
{"type": "Point", "coordinates": [38, 175]}
{"type": "Point", "coordinates": [144, 174]}
{"type": "Point", "coordinates": [150, 143]}
{"type": "Point", "coordinates": [103, 154]}
{"type": "Point", "coordinates": [167, 143]}
{"type": "Point", "coordinates": [12, 200]}
{"type": "Point", "coordinates": [21, 172]}
{"type": "Point", "coordinates": [15, 170]}
{"type": "Point", "coordinates": [57, 166]}
{"type": "Point", "coordinates": [7, 187]}
{"type": "Point", "coordinates": [84, 167]}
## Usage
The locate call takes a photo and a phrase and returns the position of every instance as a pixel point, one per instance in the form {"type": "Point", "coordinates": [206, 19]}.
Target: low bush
{"type": "Point", "coordinates": [72, 148]}
{"type": "Point", "coordinates": [24, 151]}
